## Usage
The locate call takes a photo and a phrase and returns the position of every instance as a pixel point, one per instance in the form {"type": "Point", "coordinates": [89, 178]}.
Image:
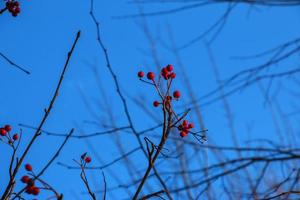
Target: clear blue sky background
{"type": "Point", "coordinates": [40, 37]}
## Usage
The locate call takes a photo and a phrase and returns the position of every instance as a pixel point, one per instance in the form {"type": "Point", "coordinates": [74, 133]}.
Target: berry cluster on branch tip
{"type": "Point", "coordinates": [5, 134]}
{"type": "Point", "coordinates": [166, 73]}
{"type": "Point", "coordinates": [31, 187]}
{"type": "Point", "coordinates": [13, 7]}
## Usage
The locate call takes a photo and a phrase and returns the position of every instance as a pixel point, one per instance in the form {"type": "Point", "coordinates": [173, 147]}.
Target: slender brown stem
{"type": "Point", "coordinates": [165, 133]}
{"type": "Point", "coordinates": [37, 133]}
{"type": "Point", "coordinates": [49, 162]}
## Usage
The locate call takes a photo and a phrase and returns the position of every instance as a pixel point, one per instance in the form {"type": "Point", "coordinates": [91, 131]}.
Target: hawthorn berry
{"type": "Point", "coordinates": [17, 10]}
{"type": "Point", "coordinates": [3, 132]}
{"type": "Point", "coordinates": [164, 70]}
{"type": "Point", "coordinates": [191, 125]}
{"type": "Point", "coordinates": [155, 103]}
{"type": "Point", "coordinates": [88, 159]}
{"type": "Point", "coordinates": [141, 74]}
{"type": "Point", "coordinates": [185, 127]}
{"type": "Point", "coordinates": [28, 167]}
{"type": "Point", "coordinates": [25, 179]}
{"type": "Point", "coordinates": [185, 123]}
{"type": "Point", "coordinates": [169, 68]}
{"type": "Point", "coordinates": [35, 190]}
{"type": "Point", "coordinates": [176, 94]}
{"type": "Point", "coordinates": [172, 75]}
{"type": "Point", "coordinates": [150, 75]}
{"type": "Point", "coordinates": [165, 73]}
{"type": "Point", "coordinates": [29, 189]}
{"type": "Point", "coordinates": [7, 128]}
{"type": "Point", "coordinates": [15, 137]}
{"type": "Point", "coordinates": [183, 133]}
{"type": "Point", "coordinates": [13, 7]}
{"type": "Point", "coordinates": [30, 182]}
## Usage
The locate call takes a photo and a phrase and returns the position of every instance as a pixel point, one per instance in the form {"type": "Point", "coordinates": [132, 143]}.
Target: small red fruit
{"type": "Point", "coordinates": [15, 136]}
{"type": "Point", "coordinates": [25, 179]}
{"type": "Point", "coordinates": [172, 75]}
{"type": "Point", "coordinates": [141, 74]}
{"type": "Point", "coordinates": [185, 123]}
{"type": "Point", "coordinates": [169, 68]}
{"type": "Point", "coordinates": [88, 159]}
{"type": "Point", "coordinates": [29, 190]}
{"type": "Point", "coordinates": [7, 128]}
{"type": "Point", "coordinates": [164, 70]}
{"type": "Point", "coordinates": [155, 103]}
{"type": "Point", "coordinates": [191, 125]}
{"type": "Point", "coordinates": [35, 190]}
{"type": "Point", "coordinates": [28, 167]}
{"type": "Point", "coordinates": [17, 10]}
{"type": "Point", "coordinates": [150, 75]}
{"type": "Point", "coordinates": [176, 94]}
{"type": "Point", "coordinates": [183, 133]}
{"type": "Point", "coordinates": [3, 132]}
{"type": "Point", "coordinates": [30, 182]}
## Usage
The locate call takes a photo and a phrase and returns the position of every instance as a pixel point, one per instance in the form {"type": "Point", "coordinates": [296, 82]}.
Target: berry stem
{"type": "Point", "coordinates": [8, 190]}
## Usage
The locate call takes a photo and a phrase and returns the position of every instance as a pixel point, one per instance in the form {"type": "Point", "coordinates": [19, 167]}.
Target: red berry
{"type": "Point", "coordinates": [173, 75]}
{"type": "Point", "coordinates": [28, 167]}
{"type": "Point", "coordinates": [7, 128]}
{"type": "Point", "coordinates": [183, 133]}
{"type": "Point", "coordinates": [191, 125]}
{"type": "Point", "coordinates": [169, 68]}
{"type": "Point", "coordinates": [10, 8]}
{"type": "Point", "coordinates": [35, 190]}
{"type": "Point", "coordinates": [3, 132]}
{"type": "Point", "coordinates": [88, 159]}
{"type": "Point", "coordinates": [164, 70]}
{"type": "Point", "coordinates": [29, 190]}
{"type": "Point", "coordinates": [16, 3]}
{"type": "Point", "coordinates": [150, 75]}
{"type": "Point", "coordinates": [155, 103]}
{"type": "Point", "coordinates": [30, 182]}
{"type": "Point", "coordinates": [185, 123]}
{"type": "Point", "coordinates": [166, 76]}
{"type": "Point", "coordinates": [141, 74]}
{"type": "Point", "coordinates": [25, 179]}
{"type": "Point", "coordinates": [17, 10]}
{"type": "Point", "coordinates": [176, 94]}
{"type": "Point", "coordinates": [16, 136]}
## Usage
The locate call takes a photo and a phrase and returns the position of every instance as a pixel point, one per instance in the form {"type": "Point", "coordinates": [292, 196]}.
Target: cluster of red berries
{"type": "Point", "coordinates": [30, 188]}
{"type": "Point", "coordinates": [185, 127]}
{"type": "Point", "coordinates": [167, 73]}
{"type": "Point", "coordinates": [13, 7]}
{"type": "Point", "coordinates": [85, 158]}
{"type": "Point", "coordinates": [5, 131]}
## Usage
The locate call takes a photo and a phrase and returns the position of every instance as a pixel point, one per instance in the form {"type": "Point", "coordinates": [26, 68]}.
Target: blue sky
{"type": "Point", "coordinates": [40, 37]}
